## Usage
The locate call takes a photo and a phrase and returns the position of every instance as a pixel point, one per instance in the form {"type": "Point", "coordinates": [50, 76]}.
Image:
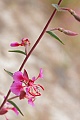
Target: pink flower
{"type": "Point", "coordinates": [24, 87]}
{"type": "Point", "coordinates": [24, 42]}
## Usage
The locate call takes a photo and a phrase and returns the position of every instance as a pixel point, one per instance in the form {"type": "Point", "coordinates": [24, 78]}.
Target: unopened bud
{"type": "Point", "coordinates": [67, 32]}
{"type": "Point", "coordinates": [76, 16]}
{"type": "Point", "coordinates": [3, 111]}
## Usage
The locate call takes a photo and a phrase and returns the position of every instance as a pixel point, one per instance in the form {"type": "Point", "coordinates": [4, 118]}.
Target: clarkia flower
{"type": "Point", "coordinates": [24, 87]}
{"type": "Point", "coordinates": [24, 42]}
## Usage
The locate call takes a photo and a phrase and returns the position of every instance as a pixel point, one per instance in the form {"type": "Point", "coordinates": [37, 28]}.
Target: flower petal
{"type": "Point", "coordinates": [15, 110]}
{"type": "Point", "coordinates": [16, 88]}
{"type": "Point", "coordinates": [33, 78]}
{"type": "Point", "coordinates": [18, 76]}
{"type": "Point", "coordinates": [41, 73]}
{"type": "Point", "coordinates": [25, 75]}
{"type": "Point", "coordinates": [39, 76]}
{"type": "Point", "coordinates": [27, 91]}
{"type": "Point", "coordinates": [22, 94]}
{"type": "Point", "coordinates": [30, 101]}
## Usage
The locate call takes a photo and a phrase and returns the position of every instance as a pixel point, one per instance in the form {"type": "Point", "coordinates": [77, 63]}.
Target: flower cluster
{"type": "Point", "coordinates": [24, 87]}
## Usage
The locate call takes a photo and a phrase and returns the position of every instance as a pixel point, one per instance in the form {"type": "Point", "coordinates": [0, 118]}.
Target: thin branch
{"type": "Point", "coordinates": [39, 38]}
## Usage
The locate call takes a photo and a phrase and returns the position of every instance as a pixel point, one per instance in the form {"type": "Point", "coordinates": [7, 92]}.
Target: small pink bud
{"type": "Point", "coordinates": [67, 32]}
{"type": "Point", "coordinates": [15, 44]}
{"type": "Point", "coordinates": [3, 111]}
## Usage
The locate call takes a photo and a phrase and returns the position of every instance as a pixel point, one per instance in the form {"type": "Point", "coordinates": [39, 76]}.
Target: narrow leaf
{"type": "Point", "coordinates": [17, 51]}
{"type": "Point", "coordinates": [11, 102]}
{"type": "Point", "coordinates": [9, 73]}
{"type": "Point", "coordinates": [55, 36]}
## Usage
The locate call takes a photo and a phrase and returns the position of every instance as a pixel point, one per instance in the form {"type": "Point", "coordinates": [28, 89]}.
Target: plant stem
{"type": "Point", "coordinates": [12, 98]}
{"type": "Point", "coordinates": [38, 40]}
{"type": "Point", "coordinates": [5, 99]}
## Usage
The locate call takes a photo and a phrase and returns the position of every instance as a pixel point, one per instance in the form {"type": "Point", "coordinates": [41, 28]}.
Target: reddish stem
{"type": "Point", "coordinates": [38, 40]}
{"type": "Point", "coordinates": [5, 99]}
{"type": "Point", "coordinates": [13, 97]}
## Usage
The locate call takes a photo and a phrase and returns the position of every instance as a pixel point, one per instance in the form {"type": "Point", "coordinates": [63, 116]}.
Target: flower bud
{"type": "Point", "coordinates": [76, 16]}
{"type": "Point", "coordinates": [3, 111]}
{"type": "Point", "coordinates": [67, 32]}
{"type": "Point", "coordinates": [15, 44]}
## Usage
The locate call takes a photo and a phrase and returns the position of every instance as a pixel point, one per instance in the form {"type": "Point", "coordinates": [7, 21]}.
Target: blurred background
{"type": "Point", "coordinates": [61, 63]}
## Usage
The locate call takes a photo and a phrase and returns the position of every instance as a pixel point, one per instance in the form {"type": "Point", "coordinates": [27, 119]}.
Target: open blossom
{"type": "Point", "coordinates": [24, 87]}
{"type": "Point", "coordinates": [24, 42]}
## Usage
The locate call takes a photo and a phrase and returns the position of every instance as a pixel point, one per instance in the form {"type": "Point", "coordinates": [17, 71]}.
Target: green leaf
{"type": "Point", "coordinates": [17, 51]}
{"type": "Point", "coordinates": [11, 102]}
{"type": "Point", "coordinates": [55, 36]}
{"type": "Point", "coordinates": [9, 73]}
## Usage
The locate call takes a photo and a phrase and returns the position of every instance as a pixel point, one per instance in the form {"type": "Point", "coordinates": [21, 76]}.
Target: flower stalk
{"type": "Point", "coordinates": [34, 46]}
{"type": "Point", "coordinates": [39, 38]}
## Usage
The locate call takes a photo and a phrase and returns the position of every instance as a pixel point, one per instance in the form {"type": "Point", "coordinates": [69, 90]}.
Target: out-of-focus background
{"type": "Point", "coordinates": [61, 63]}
